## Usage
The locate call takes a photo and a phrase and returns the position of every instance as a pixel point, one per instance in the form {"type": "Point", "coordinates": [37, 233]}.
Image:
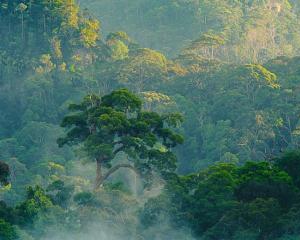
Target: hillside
{"type": "Point", "coordinates": [149, 120]}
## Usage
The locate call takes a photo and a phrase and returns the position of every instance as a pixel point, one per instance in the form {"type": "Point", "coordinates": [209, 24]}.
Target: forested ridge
{"type": "Point", "coordinates": [138, 119]}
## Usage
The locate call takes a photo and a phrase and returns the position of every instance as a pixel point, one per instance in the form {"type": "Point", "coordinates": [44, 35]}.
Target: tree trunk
{"type": "Point", "coordinates": [99, 177]}
{"type": "Point", "coordinates": [22, 25]}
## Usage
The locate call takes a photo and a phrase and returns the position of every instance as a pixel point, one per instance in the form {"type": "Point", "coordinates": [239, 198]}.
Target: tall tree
{"type": "Point", "coordinates": [116, 123]}
{"type": "Point", "coordinates": [4, 173]}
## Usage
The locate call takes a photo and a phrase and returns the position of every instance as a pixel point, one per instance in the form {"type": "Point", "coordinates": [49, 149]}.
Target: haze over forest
{"type": "Point", "coordinates": [150, 120]}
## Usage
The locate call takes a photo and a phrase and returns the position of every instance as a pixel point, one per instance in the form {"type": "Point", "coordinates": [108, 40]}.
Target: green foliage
{"type": "Point", "coordinates": [254, 30]}
{"type": "Point", "coordinates": [290, 163]}
{"type": "Point", "coordinates": [262, 180]}
{"type": "Point", "coordinates": [60, 193]}
{"type": "Point", "coordinates": [85, 199]}
{"type": "Point", "coordinates": [4, 173]}
{"type": "Point", "coordinates": [144, 69]}
{"type": "Point", "coordinates": [238, 105]}
{"type": "Point", "coordinates": [246, 111]}
{"type": "Point", "coordinates": [253, 201]}
{"type": "Point", "coordinates": [37, 202]}
{"type": "Point", "coordinates": [7, 231]}
{"type": "Point", "coordinates": [156, 211]}
{"type": "Point", "coordinates": [116, 123]}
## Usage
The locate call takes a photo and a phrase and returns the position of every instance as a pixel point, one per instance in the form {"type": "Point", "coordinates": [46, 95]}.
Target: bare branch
{"type": "Point", "coordinates": [119, 149]}
{"type": "Point", "coordinates": [117, 167]}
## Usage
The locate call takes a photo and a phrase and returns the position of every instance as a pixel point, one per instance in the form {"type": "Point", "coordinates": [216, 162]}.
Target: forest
{"type": "Point", "coordinates": [150, 120]}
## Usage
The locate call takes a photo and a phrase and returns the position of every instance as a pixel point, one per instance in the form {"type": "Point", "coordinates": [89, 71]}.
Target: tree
{"type": "Point", "coordinates": [37, 202]}
{"type": "Point", "coordinates": [290, 163]}
{"type": "Point", "coordinates": [116, 123]}
{"type": "Point", "coordinates": [4, 173]}
{"type": "Point", "coordinates": [263, 180]}
{"type": "Point", "coordinates": [213, 196]}
{"type": "Point", "coordinates": [206, 45]}
{"type": "Point", "coordinates": [7, 231]}
{"type": "Point", "coordinates": [254, 220]}
{"type": "Point", "coordinates": [144, 69]}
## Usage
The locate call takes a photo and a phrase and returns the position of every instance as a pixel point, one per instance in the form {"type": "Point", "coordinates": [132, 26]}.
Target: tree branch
{"type": "Point", "coordinates": [119, 150]}
{"type": "Point", "coordinates": [117, 167]}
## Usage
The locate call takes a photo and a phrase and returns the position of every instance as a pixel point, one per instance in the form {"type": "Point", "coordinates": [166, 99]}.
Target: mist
{"type": "Point", "coordinates": [149, 119]}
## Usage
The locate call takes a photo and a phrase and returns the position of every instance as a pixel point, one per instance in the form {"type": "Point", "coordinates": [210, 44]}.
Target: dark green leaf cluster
{"type": "Point", "coordinates": [7, 231]}
{"type": "Point", "coordinates": [4, 173]}
{"type": "Point", "coordinates": [116, 123]}
{"type": "Point", "coordinates": [258, 200]}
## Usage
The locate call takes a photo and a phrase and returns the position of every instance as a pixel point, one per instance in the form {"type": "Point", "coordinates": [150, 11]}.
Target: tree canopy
{"type": "Point", "coordinates": [99, 90]}
{"type": "Point", "coordinates": [116, 123]}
